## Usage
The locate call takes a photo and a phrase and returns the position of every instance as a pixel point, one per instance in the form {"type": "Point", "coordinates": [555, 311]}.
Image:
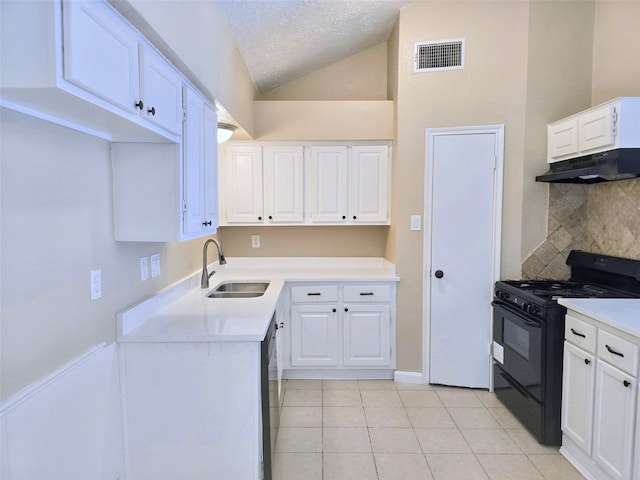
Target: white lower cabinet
{"type": "Point", "coordinates": [613, 428]}
{"type": "Point", "coordinates": [600, 399]}
{"type": "Point", "coordinates": [577, 395]}
{"type": "Point", "coordinates": [366, 335]}
{"type": "Point", "coordinates": [342, 326]}
{"type": "Point", "coordinates": [314, 335]}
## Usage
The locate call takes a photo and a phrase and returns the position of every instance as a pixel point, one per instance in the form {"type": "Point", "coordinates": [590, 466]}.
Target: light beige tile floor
{"type": "Point", "coordinates": [382, 430]}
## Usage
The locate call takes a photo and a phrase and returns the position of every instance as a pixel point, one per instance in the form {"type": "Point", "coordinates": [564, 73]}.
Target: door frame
{"type": "Point", "coordinates": [431, 134]}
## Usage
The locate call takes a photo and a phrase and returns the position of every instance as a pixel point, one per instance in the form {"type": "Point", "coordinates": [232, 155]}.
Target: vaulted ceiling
{"type": "Point", "coordinates": [282, 40]}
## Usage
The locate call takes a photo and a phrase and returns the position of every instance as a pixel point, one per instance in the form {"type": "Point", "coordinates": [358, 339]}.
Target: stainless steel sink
{"type": "Point", "coordinates": [239, 289]}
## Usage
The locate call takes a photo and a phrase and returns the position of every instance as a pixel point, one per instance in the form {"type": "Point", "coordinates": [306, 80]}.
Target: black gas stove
{"type": "Point", "coordinates": [528, 334]}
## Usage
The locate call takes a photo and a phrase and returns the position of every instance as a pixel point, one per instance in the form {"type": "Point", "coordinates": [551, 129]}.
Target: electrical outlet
{"type": "Point", "coordinates": [144, 269]}
{"type": "Point", "coordinates": [96, 284]}
{"type": "Point", "coordinates": [255, 241]}
{"type": "Point", "coordinates": [155, 265]}
{"type": "Point", "coordinates": [416, 223]}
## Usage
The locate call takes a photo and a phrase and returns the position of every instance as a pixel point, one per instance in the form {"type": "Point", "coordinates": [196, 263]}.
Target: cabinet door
{"type": "Point", "coordinates": [314, 335]}
{"type": "Point", "coordinates": [101, 53]}
{"type": "Point", "coordinates": [211, 216]}
{"type": "Point", "coordinates": [613, 431]}
{"type": "Point", "coordinates": [596, 129]}
{"type": "Point", "coordinates": [243, 177]}
{"type": "Point", "coordinates": [283, 184]}
{"type": "Point", "coordinates": [369, 184]}
{"type": "Point", "coordinates": [579, 374]}
{"type": "Point", "coordinates": [160, 90]}
{"type": "Point", "coordinates": [193, 163]}
{"type": "Point", "coordinates": [367, 330]}
{"type": "Point", "coordinates": [562, 139]}
{"type": "Point", "coordinates": [328, 184]}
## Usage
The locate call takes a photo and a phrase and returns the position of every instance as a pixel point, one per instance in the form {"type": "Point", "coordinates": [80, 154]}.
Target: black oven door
{"type": "Point", "coordinates": [522, 339]}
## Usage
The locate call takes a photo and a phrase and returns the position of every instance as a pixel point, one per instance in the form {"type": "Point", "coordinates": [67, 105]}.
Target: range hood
{"type": "Point", "coordinates": [619, 164]}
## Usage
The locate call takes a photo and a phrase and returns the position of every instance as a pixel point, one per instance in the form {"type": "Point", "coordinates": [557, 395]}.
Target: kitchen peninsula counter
{"type": "Point", "coordinates": [183, 313]}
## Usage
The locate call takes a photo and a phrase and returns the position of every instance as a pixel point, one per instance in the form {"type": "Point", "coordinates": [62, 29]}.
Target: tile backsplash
{"type": "Point", "coordinates": [600, 218]}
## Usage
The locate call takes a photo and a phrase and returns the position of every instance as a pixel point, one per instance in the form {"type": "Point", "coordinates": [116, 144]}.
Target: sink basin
{"type": "Point", "coordinates": [238, 289]}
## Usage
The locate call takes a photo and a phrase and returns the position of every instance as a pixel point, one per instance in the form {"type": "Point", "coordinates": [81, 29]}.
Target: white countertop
{"type": "Point", "coordinates": [183, 312]}
{"type": "Point", "coordinates": [623, 314]}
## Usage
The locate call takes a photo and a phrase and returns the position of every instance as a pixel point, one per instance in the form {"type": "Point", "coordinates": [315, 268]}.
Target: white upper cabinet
{"type": "Point", "coordinates": [165, 192]}
{"type": "Point", "coordinates": [101, 53]}
{"type": "Point", "coordinates": [327, 183]}
{"type": "Point", "coordinates": [296, 184]}
{"type": "Point", "coordinates": [105, 56]}
{"type": "Point", "coordinates": [199, 207]}
{"type": "Point", "coordinates": [242, 173]}
{"type": "Point", "coordinates": [81, 64]}
{"type": "Point", "coordinates": [160, 91]}
{"type": "Point", "coordinates": [283, 184]}
{"type": "Point", "coordinates": [370, 184]}
{"type": "Point", "coordinates": [613, 124]}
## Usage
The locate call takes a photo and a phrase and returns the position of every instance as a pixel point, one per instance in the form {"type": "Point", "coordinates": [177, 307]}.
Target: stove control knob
{"type": "Point", "coordinates": [531, 308]}
{"type": "Point", "coordinates": [503, 295]}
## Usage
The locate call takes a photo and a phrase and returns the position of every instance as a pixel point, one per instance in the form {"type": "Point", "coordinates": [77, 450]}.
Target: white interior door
{"type": "Point", "coordinates": [462, 212]}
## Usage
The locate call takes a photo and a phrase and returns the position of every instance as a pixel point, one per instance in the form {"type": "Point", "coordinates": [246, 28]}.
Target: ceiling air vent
{"type": "Point", "coordinates": [439, 55]}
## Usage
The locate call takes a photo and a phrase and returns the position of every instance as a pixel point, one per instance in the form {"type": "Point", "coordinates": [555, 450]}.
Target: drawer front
{"type": "Point", "coordinates": [580, 333]}
{"type": "Point", "coordinates": [314, 293]}
{"type": "Point", "coordinates": [367, 293]}
{"type": "Point", "coordinates": [618, 352]}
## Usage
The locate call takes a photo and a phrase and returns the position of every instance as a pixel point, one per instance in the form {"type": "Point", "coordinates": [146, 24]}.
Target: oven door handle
{"type": "Point", "coordinates": [527, 321]}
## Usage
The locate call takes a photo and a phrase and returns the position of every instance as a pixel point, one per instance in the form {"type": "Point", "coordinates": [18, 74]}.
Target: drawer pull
{"type": "Point", "coordinates": [314, 294]}
{"type": "Point", "coordinates": [578, 334]}
{"type": "Point", "coordinates": [612, 351]}
{"type": "Point", "coordinates": [626, 383]}
{"type": "Point", "coordinates": [366, 293]}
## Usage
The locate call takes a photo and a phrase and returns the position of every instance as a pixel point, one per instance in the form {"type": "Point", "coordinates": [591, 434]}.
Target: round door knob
{"type": "Point", "coordinates": [152, 111]}
{"type": "Point", "coordinates": [270, 217]}
{"type": "Point", "coordinates": [587, 361]}
{"type": "Point", "coordinates": [139, 104]}
{"type": "Point", "coordinates": [334, 310]}
{"type": "Point", "coordinates": [346, 309]}
{"type": "Point", "coordinates": [439, 274]}
{"type": "Point", "coordinates": [259, 218]}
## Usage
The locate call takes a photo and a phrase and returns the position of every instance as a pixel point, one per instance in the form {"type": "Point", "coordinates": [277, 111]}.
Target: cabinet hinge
{"type": "Point", "coordinates": [184, 114]}
{"type": "Point", "coordinates": [184, 207]}
{"type": "Point", "coordinates": [614, 121]}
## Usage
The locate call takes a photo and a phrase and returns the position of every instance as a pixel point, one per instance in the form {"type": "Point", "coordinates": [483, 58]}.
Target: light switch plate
{"type": "Point", "coordinates": [96, 284]}
{"type": "Point", "coordinates": [255, 241]}
{"type": "Point", "coordinates": [144, 268]}
{"type": "Point", "coordinates": [155, 265]}
{"type": "Point", "coordinates": [416, 223]}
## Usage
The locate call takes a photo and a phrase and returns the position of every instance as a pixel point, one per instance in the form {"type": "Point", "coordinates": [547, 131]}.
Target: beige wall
{"type": "Point", "coordinates": [616, 61]}
{"type": "Point", "coordinates": [363, 76]}
{"type": "Point", "coordinates": [490, 90]}
{"type": "Point", "coordinates": [57, 226]}
{"type": "Point", "coordinates": [57, 216]}
{"type": "Point", "coordinates": [316, 241]}
{"type": "Point", "coordinates": [558, 84]}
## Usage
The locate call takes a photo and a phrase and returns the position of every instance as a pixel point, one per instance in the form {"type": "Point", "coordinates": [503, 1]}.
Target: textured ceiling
{"type": "Point", "coordinates": [281, 40]}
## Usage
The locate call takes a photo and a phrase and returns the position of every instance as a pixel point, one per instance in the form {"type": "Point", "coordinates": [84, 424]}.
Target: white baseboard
{"type": "Point", "coordinates": [408, 377]}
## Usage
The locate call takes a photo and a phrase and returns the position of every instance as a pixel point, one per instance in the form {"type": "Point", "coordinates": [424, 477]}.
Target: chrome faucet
{"type": "Point", "coordinates": [204, 282]}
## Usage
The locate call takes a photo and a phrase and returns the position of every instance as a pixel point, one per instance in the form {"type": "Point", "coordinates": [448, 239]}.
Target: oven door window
{"type": "Point", "coordinates": [517, 338]}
